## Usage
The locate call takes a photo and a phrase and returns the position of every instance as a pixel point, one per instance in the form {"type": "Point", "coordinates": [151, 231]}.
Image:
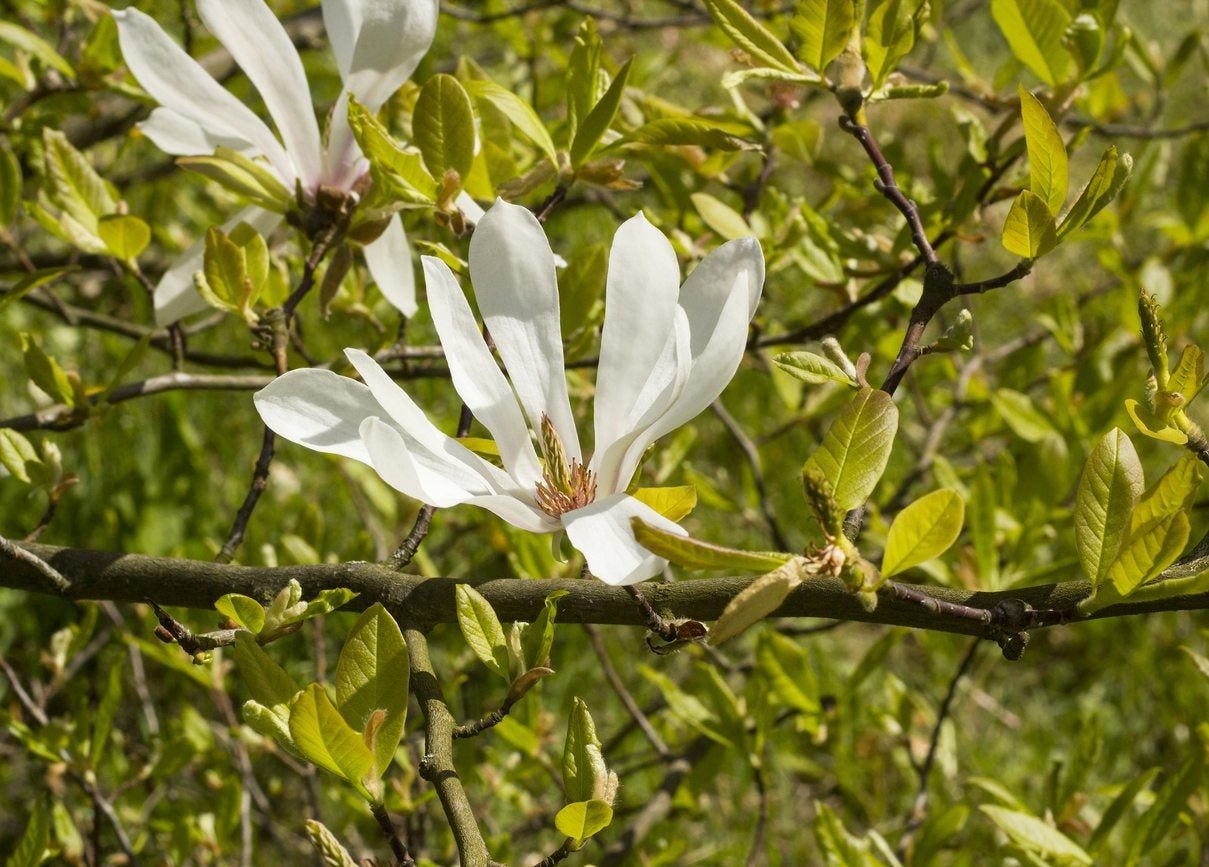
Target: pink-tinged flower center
{"type": "Point", "coordinates": [565, 486]}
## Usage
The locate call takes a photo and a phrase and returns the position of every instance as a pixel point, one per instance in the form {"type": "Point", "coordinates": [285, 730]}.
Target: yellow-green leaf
{"type": "Point", "coordinates": [585, 775]}
{"type": "Point", "coordinates": [750, 35]}
{"type": "Point", "coordinates": [756, 601]}
{"type": "Point", "coordinates": [673, 502]}
{"type": "Point", "coordinates": [1158, 527]}
{"type": "Point", "coordinates": [325, 739]}
{"type": "Point", "coordinates": [813, 368]}
{"type": "Point", "coordinates": [126, 236]}
{"type": "Point", "coordinates": [854, 453]}
{"type": "Point", "coordinates": [593, 127]}
{"type": "Point", "coordinates": [889, 36]}
{"type": "Point", "coordinates": [923, 530]}
{"type": "Point", "coordinates": [695, 554]}
{"type": "Point", "coordinates": [1030, 833]}
{"type": "Point", "coordinates": [822, 28]}
{"type": "Point", "coordinates": [244, 610]}
{"type": "Point", "coordinates": [443, 125]}
{"type": "Point", "coordinates": [516, 110]}
{"type": "Point", "coordinates": [1048, 167]}
{"type": "Point", "coordinates": [1106, 182]}
{"type": "Point", "coordinates": [1029, 229]}
{"type": "Point", "coordinates": [721, 217]}
{"type": "Point", "coordinates": [372, 676]}
{"type": "Point", "coordinates": [1110, 485]}
{"type": "Point", "coordinates": [583, 819]}
{"type": "Point", "coordinates": [1034, 30]}
{"type": "Point", "coordinates": [1149, 424]}
{"type": "Point", "coordinates": [482, 630]}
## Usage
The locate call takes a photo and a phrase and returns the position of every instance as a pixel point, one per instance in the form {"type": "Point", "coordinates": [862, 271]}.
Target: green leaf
{"type": "Point", "coordinates": [246, 177]}
{"type": "Point", "coordinates": [822, 28]}
{"type": "Point", "coordinates": [15, 452]}
{"type": "Point", "coordinates": [1201, 662]}
{"type": "Point", "coordinates": [32, 44]}
{"type": "Point", "coordinates": [583, 819]}
{"type": "Point", "coordinates": [1048, 167]}
{"type": "Point", "coordinates": [539, 638]}
{"type": "Point", "coordinates": [1188, 376]}
{"type": "Point", "coordinates": [784, 664]}
{"type": "Point", "coordinates": [750, 35]}
{"type": "Point", "coordinates": [10, 186]}
{"type": "Point", "coordinates": [1121, 804]}
{"type": "Point", "coordinates": [677, 131]}
{"type": "Point", "coordinates": [756, 601]}
{"type": "Point", "coordinates": [923, 530]}
{"type": "Point", "coordinates": [673, 502]}
{"type": "Point", "coordinates": [33, 847]}
{"type": "Point", "coordinates": [854, 453]}
{"type": "Point", "coordinates": [1029, 229]}
{"type": "Point", "coordinates": [125, 236]}
{"type": "Point", "coordinates": [889, 36]}
{"type": "Point", "coordinates": [585, 775]}
{"type": "Point", "coordinates": [1034, 30]}
{"type": "Point", "coordinates": [1021, 416]}
{"type": "Point", "coordinates": [1170, 800]}
{"type": "Point", "coordinates": [244, 610]}
{"type": "Point", "coordinates": [1110, 485]}
{"type": "Point", "coordinates": [738, 77]}
{"type": "Point", "coordinates": [268, 682]}
{"type": "Point", "coordinates": [721, 217]}
{"type": "Point", "coordinates": [812, 368]}
{"type": "Point", "coordinates": [327, 601]}
{"type": "Point", "coordinates": [694, 554]}
{"type": "Point", "coordinates": [1149, 424]}
{"type": "Point", "coordinates": [385, 152]}
{"type": "Point", "coordinates": [1106, 182]}
{"type": "Point", "coordinates": [104, 712]}
{"type": "Point", "coordinates": [481, 629]}
{"type": "Point", "coordinates": [32, 281]}
{"type": "Point", "coordinates": [1031, 834]}
{"type": "Point", "coordinates": [593, 127]}
{"type": "Point", "coordinates": [1166, 588]}
{"type": "Point", "coordinates": [516, 110]}
{"type": "Point", "coordinates": [841, 847]}
{"type": "Point", "coordinates": [74, 184]}
{"type": "Point", "coordinates": [325, 739]}
{"type": "Point", "coordinates": [1158, 527]}
{"type": "Point", "coordinates": [689, 708]}
{"type": "Point", "coordinates": [443, 125]}
{"type": "Point", "coordinates": [45, 372]}
{"type": "Point", "coordinates": [372, 675]}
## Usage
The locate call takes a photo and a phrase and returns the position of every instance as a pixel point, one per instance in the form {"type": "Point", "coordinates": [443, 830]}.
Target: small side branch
{"type": "Point", "coordinates": [557, 856]}
{"type": "Point", "coordinates": [1022, 270]}
{"type": "Point", "coordinates": [397, 847]}
{"type": "Point", "coordinates": [481, 725]}
{"type": "Point", "coordinates": [24, 555]}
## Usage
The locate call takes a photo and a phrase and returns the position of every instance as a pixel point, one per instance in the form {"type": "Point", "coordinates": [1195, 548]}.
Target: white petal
{"type": "Point", "coordinates": [469, 470]}
{"type": "Point", "coordinates": [640, 306]}
{"type": "Point", "coordinates": [318, 409]}
{"type": "Point", "coordinates": [177, 135]}
{"type": "Point", "coordinates": [394, 462]}
{"type": "Point", "coordinates": [344, 163]}
{"type": "Point", "coordinates": [475, 375]}
{"type": "Point", "coordinates": [512, 269]}
{"type": "Point", "coordinates": [178, 82]}
{"type": "Point", "coordinates": [389, 261]}
{"type": "Point", "coordinates": [602, 533]}
{"type": "Point", "coordinates": [470, 209]}
{"type": "Point", "coordinates": [378, 43]}
{"type": "Point", "coordinates": [517, 512]}
{"type": "Point", "coordinates": [175, 295]}
{"type": "Point", "coordinates": [736, 266]}
{"type": "Point", "coordinates": [263, 50]}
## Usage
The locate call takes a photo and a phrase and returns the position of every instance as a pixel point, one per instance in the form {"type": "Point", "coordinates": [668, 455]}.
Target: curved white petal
{"type": "Point", "coordinates": [602, 533]}
{"type": "Point", "coordinates": [735, 267]}
{"type": "Point", "coordinates": [378, 43]}
{"type": "Point", "coordinates": [318, 409]}
{"type": "Point", "coordinates": [469, 470]}
{"type": "Point", "coordinates": [517, 512]}
{"type": "Point", "coordinates": [179, 83]}
{"type": "Point", "coordinates": [640, 307]}
{"type": "Point", "coordinates": [263, 50]}
{"type": "Point", "coordinates": [389, 260]}
{"type": "Point", "coordinates": [344, 163]}
{"type": "Point", "coordinates": [175, 295]}
{"type": "Point", "coordinates": [177, 135]}
{"type": "Point", "coordinates": [392, 459]}
{"type": "Point", "coordinates": [470, 209]}
{"type": "Point", "coordinates": [512, 270]}
{"type": "Point", "coordinates": [475, 375]}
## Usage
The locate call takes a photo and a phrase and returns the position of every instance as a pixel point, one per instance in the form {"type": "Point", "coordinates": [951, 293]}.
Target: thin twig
{"type": "Point", "coordinates": [557, 856]}
{"type": "Point", "coordinates": [752, 453]}
{"type": "Point", "coordinates": [619, 687]}
{"type": "Point", "coordinates": [397, 847]}
{"type": "Point", "coordinates": [50, 573]}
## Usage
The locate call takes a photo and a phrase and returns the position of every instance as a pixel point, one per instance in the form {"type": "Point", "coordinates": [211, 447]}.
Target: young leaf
{"type": "Point", "coordinates": [756, 601]}
{"type": "Point", "coordinates": [1034, 31]}
{"type": "Point", "coordinates": [1106, 182]}
{"type": "Point", "coordinates": [75, 185]}
{"type": "Point", "coordinates": [812, 368]}
{"type": "Point", "coordinates": [583, 819]}
{"type": "Point", "coordinates": [889, 36]}
{"type": "Point", "coordinates": [10, 186]}
{"type": "Point", "coordinates": [674, 502]}
{"type": "Point", "coordinates": [585, 774]}
{"type": "Point", "coordinates": [1158, 527]}
{"type": "Point", "coordinates": [1029, 229]}
{"type": "Point", "coordinates": [1048, 167]}
{"type": "Point", "coordinates": [1149, 424]}
{"type": "Point", "coordinates": [516, 110]}
{"type": "Point", "coordinates": [32, 848]}
{"type": "Point", "coordinates": [246, 177]}
{"type": "Point", "coordinates": [126, 236]}
{"type": "Point", "coordinates": [15, 453]}
{"type": "Point", "coordinates": [325, 739]}
{"type": "Point", "coordinates": [721, 217]}
{"type": "Point", "coordinates": [695, 554]}
{"type": "Point", "coordinates": [784, 664]}
{"type": "Point", "coordinates": [539, 638]}
{"type": "Point", "coordinates": [854, 453]}
{"type": "Point", "coordinates": [750, 35]}
{"type": "Point", "coordinates": [443, 125]}
{"type": "Point", "coordinates": [822, 28]}
{"type": "Point", "coordinates": [267, 681]}
{"type": "Point", "coordinates": [244, 610]}
{"type": "Point", "coordinates": [1110, 485]}
{"type": "Point", "coordinates": [387, 153]}
{"type": "Point", "coordinates": [372, 675]}
{"type": "Point", "coordinates": [923, 530]}
{"type": "Point", "coordinates": [1025, 420]}
{"type": "Point", "coordinates": [593, 127]}
{"type": "Point", "coordinates": [1188, 376]}
{"type": "Point", "coordinates": [1031, 834]}
{"type": "Point", "coordinates": [330, 849]}
{"type": "Point", "coordinates": [481, 629]}
{"type": "Point", "coordinates": [45, 372]}
{"type": "Point", "coordinates": [36, 46]}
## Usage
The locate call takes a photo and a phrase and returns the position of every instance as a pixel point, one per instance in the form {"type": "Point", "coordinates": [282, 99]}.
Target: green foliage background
{"type": "Point", "coordinates": [1088, 710]}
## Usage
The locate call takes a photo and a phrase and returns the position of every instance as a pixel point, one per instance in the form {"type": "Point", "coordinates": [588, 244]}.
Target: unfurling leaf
{"type": "Point", "coordinates": [585, 774]}
{"type": "Point", "coordinates": [1030, 833]}
{"type": "Point", "coordinates": [329, 848]}
{"type": "Point", "coordinates": [854, 453]}
{"type": "Point", "coordinates": [1105, 184]}
{"type": "Point", "coordinates": [923, 530]}
{"type": "Point", "coordinates": [1149, 424]}
{"type": "Point", "coordinates": [583, 819]}
{"type": "Point", "coordinates": [1158, 527]}
{"type": "Point", "coordinates": [443, 125]}
{"type": "Point", "coordinates": [244, 610]}
{"type": "Point", "coordinates": [1048, 166]}
{"type": "Point", "coordinates": [674, 502]}
{"type": "Point", "coordinates": [756, 601]}
{"type": "Point", "coordinates": [695, 554]}
{"type": "Point", "coordinates": [812, 368]}
{"type": "Point", "coordinates": [750, 35]}
{"type": "Point", "coordinates": [597, 122]}
{"type": "Point", "coordinates": [822, 28]}
{"type": "Point", "coordinates": [1110, 485]}
{"type": "Point", "coordinates": [323, 737]}
{"type": "Point", "coordinates": [371, 679]}
{"type": "Point", "coordinates": [246, 177]}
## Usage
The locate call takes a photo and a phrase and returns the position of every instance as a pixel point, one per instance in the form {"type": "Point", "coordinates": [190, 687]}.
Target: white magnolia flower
{"type": "Point", "coordinates": [666, 352]}
{"type": "Point", "coordinates": [377, 44]}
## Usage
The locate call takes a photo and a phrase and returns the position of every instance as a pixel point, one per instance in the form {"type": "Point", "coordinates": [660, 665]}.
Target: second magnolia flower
{"type": "Point", "coordinates": [667, 351]}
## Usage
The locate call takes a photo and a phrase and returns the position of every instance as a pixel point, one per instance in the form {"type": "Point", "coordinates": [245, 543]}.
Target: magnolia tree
{"type": "Point", "coordinates": [803, 361]}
